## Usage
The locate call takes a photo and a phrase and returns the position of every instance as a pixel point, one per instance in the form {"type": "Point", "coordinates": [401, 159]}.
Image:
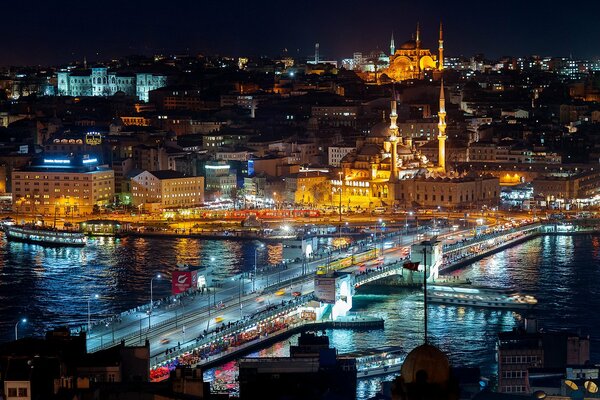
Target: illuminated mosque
{"type": "Point", "coordinates": [410, 60]}
{"type": "Point", "coordinates": [387, 169]}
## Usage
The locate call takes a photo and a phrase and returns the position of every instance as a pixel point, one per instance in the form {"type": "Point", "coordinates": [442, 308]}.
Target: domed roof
{"type": "Point", "coordinates": [409, 45]}
{"type": "Point", "coordinates": [404, 150]}
{"type": "Point", "coordinates": [426, 363]}
{"type": "Point", "coordinates": [370, 149]}
{"type": "Point", "coordinates": [380, 129]}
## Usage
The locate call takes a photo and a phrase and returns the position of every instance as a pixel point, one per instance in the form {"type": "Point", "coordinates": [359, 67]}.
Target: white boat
{"type": "Point", "coordinates": [383, 361]}
{"type": "Point", "coordinates": [479, 297]}
{"type": "Point", "coordinates": [44, 236]}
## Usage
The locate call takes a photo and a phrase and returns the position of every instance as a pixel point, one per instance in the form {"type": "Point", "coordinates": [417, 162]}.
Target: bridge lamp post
{"type": "Point", "coordinates": [24, 320]}
{"type": "Point", "coordinates": [406, 220]}
{"type": "Point", "coordinates": [262, 246]}
{"type": "Point", "coordinates": [89, 327]}
{"type": "Point", "coordinates": [158, 276]}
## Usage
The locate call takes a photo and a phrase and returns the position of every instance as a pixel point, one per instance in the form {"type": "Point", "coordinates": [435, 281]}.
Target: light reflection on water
{"type": "Point", "coordinates": [560, 271]}
{"type": "Point", "coordinates": [51, 287]}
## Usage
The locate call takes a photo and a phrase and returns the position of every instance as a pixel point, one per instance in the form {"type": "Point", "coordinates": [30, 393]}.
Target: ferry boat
{"type": "Point", "coordinates": [474, 296]}
{"type": "Point", "coordinates": [383, 361]}
{"type": "Point", "coordinates": [44, 236]}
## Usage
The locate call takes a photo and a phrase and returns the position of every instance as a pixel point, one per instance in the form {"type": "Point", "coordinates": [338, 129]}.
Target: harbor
{"type": "Point", "coordinates": [176, 325]}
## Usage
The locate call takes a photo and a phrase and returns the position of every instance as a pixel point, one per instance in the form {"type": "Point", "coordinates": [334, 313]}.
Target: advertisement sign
{"type": "Point", "coordinates": [184, 280]}
{"type": "Point", "coordinates": [325, 288]}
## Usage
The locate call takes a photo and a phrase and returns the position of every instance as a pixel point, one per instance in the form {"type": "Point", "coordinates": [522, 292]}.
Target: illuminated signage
{"type": "Point", "coordinates": [93, 138]}
{"type": "Point", "coordinates": [56, 161]}
{"type": "Point", "coordinates": [217, 167]}
{"type": "Point", "coordinates": [90, 160]}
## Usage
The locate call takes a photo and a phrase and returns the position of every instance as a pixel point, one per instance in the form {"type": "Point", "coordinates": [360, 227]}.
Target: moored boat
{"type": "Point", "coordinates": [44, 236]}
{"type": "Point", "coordinates": [479, 297]}
{"type": "Point", "coordinates": [383, 361]}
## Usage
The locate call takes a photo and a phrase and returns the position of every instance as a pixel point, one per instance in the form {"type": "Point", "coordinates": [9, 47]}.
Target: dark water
{"type": "Point", "coordinates": [52, 286]}
{"type": "Point", "coordinates": [562, 272]}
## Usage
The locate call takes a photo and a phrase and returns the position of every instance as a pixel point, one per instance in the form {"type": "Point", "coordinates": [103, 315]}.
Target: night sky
{"type": "Point", "coordinates": [48, 32]}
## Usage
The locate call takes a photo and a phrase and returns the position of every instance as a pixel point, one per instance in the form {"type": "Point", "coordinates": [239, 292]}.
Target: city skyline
{"type": "Point", "coordinates": [58, 34]}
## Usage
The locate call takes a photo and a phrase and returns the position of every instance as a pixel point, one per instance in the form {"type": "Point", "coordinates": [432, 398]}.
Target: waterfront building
{"type": "Point", "coordinates": [220, 180]}
{"type": "Point", "coordinates": [62, 186]}
{"type": "Point", "coordinates": [166, 189]}
{"type": "Point", "coordinates": [528, 347]}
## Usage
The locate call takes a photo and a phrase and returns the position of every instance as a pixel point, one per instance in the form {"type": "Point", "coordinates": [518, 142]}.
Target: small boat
{"type": "Point", "coordinates": [44, 235]}
{"type": "Point", "coordinates": [468, 295]}
{"type": "Point", "coordinates": [383, 361]}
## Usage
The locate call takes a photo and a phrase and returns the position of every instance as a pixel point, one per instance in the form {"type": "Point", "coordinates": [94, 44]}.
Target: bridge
{"type": "Point", "coordinates": [204, 327]}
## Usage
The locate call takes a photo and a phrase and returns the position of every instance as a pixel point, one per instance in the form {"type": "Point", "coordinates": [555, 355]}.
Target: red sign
{"type": "Point", "coordinates": [413, 266]}
{"type": "Point", "coordinates": [183, 280]}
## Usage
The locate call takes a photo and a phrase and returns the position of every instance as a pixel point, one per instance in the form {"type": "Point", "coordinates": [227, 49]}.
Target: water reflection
{"type": "Point", "coordinates": [50, 286]}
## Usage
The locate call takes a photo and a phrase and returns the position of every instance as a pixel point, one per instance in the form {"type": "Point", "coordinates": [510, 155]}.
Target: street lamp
{"type": "Point", "coordinates": [17, 327]}
{"type": "Point", "coordinates": [341, 188]}
{"type": "Point", "coordinates": [406, 220]}
{"type": "Point", "coordinates": [158, 276]}
{"type": "Point", "coordinates": [262, 246]}
{"type": "Point", "coordinates": [89, 314]}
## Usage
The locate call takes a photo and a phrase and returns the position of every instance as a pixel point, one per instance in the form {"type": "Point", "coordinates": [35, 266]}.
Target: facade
{"type": "Point", "coordinates": [219, 178]}
{"type": "Point", "coordinates": [336, 153]}
{"type": "Point", "coordinates": [62, 187]}
{"type": "Point", "coordinates": [336, 115]}
{"type": "Point", "coordinates": [167, 189]}
{"type": "Point", "coordinates": [561, 188]}
{"type": "Point", "coordinates": [525, 348]}
{"type": "Point", "coordinates": [494, 152]}
{"type": "Point", "coordinates": [99, 81]}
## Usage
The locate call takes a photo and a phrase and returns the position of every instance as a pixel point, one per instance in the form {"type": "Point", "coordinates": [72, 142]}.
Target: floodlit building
{"type": "Point", "coordinates": [62, 186]}
{"type": "Point", "coordinates": [166, 189]}
{"type": "Point", "coordinates": [99, 81]}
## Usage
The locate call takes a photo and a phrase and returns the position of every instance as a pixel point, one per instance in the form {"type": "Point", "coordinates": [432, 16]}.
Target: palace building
{"type": "Point", "coordinates": [410, 60]}
{"type": "Point", "coordinates": [386, 169]}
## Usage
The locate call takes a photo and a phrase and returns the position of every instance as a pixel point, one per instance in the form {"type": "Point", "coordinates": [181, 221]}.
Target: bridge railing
{"type": "Point", "coordinates": [482, 238]}
{"type": "Point", "coordinates": [236, 328]}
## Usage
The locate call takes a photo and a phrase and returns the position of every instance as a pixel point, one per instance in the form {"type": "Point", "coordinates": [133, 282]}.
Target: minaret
{"type": "Point", "coordinates": [442, 130]}
{"type": "Point", "coordinates": [316, 53]}
{"type": "Point", "coordinates": [441, 50]}
{"type": "Point", "coordinates": [418, 48]}
{"type": "Point", "coordinates": [394, 141]}
{"type": "Point", "coordinates": [392, 45]}
{"type": "Point", "coordinates": [418, 39]}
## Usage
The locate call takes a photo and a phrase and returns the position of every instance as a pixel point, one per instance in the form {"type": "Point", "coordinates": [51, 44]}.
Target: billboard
{"type": "Point", "coordinates": [184, 280]}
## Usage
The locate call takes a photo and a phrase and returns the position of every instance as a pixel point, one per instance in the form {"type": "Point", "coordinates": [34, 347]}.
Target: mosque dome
{"type": "Point", "coordinates": [370, 149]}
{"type": "Point", "coordinates": [426, 363]}
{"type": "Point", "coordinates": [409, 45]}
{"type": "Point", "coordinates": [380, 129]}
{"type": "Point", "coordinates": [404, 150]}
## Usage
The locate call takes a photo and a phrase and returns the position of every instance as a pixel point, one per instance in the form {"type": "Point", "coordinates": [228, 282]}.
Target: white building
{"type": "Point", "coordinates": [167, 189]}
{"type": "Point", "coordinates": [99, 81]}
{"type": "Point", "coordinates": [336, 153]}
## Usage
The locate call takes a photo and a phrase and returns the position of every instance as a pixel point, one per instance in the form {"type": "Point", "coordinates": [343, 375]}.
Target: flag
{"type": "Point", "coordinates": [413, 266]}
